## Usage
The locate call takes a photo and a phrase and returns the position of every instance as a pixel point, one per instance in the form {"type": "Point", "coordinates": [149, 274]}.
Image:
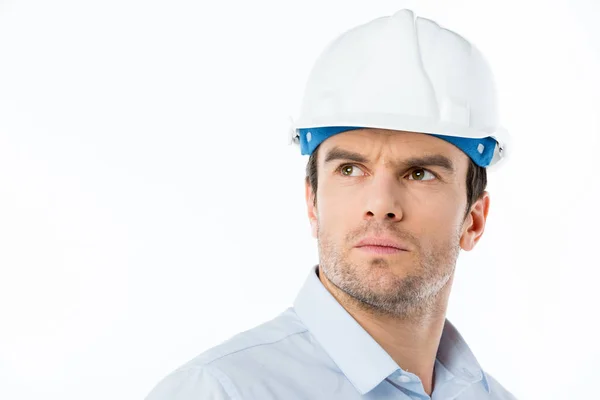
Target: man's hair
{"type": "Point", "coordinates": [476, 180]}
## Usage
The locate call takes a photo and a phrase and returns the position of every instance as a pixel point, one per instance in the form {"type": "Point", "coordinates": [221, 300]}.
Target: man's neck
{"type": "Point", "coordinates": [411, 342]}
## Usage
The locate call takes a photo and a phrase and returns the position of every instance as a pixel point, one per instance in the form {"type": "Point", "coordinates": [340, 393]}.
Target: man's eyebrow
{"type": "Point", "coordinates": [438, 160]}
{"type": "Point", "coordinates": [337, 153]}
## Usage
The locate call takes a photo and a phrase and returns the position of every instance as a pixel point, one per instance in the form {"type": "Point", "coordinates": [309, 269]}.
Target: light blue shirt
{"type": "Point", "coordinates": [316, 350]}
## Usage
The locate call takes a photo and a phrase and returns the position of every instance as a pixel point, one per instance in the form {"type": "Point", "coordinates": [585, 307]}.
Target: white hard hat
{"type": "Point", "coordinates": [406, 73]}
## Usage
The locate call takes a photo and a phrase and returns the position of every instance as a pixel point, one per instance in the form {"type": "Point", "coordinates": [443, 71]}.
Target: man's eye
{"type": "Point", "coordinates": [419, 173]}
{"type": "Point", "coordinates": [347, 169]}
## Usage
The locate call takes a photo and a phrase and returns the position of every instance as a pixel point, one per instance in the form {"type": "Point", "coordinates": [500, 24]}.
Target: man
{"type": "Point", "coordinates": [399, 119]}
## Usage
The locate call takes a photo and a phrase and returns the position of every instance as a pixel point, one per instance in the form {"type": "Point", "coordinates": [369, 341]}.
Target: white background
{"type": "Point", "coordinates": [150, 206]}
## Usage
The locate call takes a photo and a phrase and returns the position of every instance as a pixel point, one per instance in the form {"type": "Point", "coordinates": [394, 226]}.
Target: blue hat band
{"type": "Point", "coordinates": [480, 150]}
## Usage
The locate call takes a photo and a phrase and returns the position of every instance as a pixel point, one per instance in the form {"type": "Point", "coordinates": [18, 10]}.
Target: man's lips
{"type": "Point", "coordinates": [382, 242]}
{"type": "Point", "coordinates": [380, 249]}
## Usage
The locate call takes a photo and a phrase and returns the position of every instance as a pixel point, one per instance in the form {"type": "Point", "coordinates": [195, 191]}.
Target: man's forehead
{"type": "Point", "coordinates": [374, 142]}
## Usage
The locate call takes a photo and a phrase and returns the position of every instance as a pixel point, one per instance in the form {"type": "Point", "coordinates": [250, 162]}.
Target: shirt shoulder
{"type": "Point", "coordinates": [211, 374]}
{"type": "Point", "coordinates": [256, 339]}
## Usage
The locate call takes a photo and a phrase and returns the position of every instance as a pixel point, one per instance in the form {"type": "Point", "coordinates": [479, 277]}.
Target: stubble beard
{"type": "Point", "coordinates": [371, 285]}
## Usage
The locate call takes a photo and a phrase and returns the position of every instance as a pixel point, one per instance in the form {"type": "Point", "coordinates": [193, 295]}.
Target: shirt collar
{"type": "Point", "coordinates": [340, 335]}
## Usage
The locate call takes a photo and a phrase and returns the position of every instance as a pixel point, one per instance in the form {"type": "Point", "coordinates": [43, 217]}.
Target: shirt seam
{"type": "Point", "coordinates": [250, 347]}
{"type": "Point", "coordinates": [224, 381]}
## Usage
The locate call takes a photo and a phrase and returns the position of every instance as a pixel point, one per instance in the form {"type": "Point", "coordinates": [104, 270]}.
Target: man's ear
{"type": "Point", "coordinates": [311, 208]}
{"type": "Point", "coordinates": [474, 224]}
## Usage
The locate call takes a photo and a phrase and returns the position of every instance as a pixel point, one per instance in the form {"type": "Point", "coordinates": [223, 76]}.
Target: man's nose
{"type": "Point", "coordinates": [383, 198]}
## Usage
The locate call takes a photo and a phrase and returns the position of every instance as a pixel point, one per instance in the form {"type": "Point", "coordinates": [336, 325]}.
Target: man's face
{"type": "Point", "coordinates": [418, 204]}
